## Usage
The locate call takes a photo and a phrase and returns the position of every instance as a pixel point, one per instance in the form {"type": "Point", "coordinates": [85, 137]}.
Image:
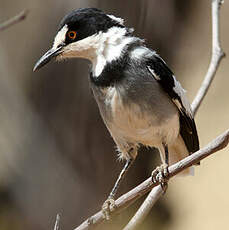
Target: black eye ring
{"type": "Point", "coordinates": [72, 34]}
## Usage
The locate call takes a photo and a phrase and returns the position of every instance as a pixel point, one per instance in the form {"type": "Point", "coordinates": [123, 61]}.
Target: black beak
{"type": "Point", "coordinates": [47, 57]}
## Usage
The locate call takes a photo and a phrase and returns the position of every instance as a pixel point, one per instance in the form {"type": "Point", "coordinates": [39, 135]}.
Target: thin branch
{"type": "Point", "coordinates": [145, 208]}
{"type": "Point", "coordinates": [21, 16]}
{"type": "Point", "coordinates": [217, 55]}
{"type": "Point", "coordinates": [127, 199]}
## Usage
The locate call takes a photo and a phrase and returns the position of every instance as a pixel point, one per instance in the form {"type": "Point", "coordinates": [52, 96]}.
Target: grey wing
{"type": "Point", "coordinates": [164, 76]}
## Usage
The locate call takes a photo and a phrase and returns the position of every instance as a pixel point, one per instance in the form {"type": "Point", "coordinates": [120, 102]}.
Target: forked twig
{"type": "Point", "coordinates": [130, 197]}
{"type": "Point", "coordinates": [145, 208]}
{"type": "Point", "coordinates": [217, 55]}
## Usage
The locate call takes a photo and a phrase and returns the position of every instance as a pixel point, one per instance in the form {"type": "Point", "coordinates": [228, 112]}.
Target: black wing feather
{"type": "Point", "coordinates": [189, 133]}
{"type": "Point", "coordinates": [166, 79]}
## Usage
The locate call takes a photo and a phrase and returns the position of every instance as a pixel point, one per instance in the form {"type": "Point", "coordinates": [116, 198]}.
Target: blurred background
{"type": "Point", "coordinates": [56, 155]}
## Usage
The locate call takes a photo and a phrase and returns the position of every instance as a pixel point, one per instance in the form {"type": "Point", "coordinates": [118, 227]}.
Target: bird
{"type": "Point", "coordinates": [139, 99]}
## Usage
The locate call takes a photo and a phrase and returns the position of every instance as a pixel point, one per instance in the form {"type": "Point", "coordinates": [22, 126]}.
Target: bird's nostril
{"type": "Point", "coordinates": [61, 45]}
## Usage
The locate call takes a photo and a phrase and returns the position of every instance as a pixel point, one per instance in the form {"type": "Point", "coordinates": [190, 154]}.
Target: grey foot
{"type": "Point", "coordinates": [160, 175]}
{"type": "Point", "coordinates": [108, 206]}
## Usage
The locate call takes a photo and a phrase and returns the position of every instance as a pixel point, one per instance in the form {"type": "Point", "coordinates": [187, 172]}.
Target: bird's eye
{"type": "Point", "coordinates": [72, 34]}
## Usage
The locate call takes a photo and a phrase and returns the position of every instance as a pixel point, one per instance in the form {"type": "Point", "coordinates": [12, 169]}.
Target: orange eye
{"type": "Point", "coordinates": [72, 34]}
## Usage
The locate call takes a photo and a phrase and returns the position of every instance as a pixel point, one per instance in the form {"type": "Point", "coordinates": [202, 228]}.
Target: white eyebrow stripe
{"type": "Point", "coordinates": [60, 37]}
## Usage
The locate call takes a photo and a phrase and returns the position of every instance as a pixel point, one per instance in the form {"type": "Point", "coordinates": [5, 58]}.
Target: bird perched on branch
{"type": "Point", "coordinates": [139, 98]}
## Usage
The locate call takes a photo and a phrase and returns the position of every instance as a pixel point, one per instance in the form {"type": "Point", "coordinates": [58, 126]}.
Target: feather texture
{"type": "Point", "coordinates": [172, 87]}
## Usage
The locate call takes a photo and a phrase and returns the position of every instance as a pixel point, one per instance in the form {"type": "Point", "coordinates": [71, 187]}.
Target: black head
{"type": "Point", "coordinates": [76, 26]}
{"type": "Point", "coordinates": [86, 22]}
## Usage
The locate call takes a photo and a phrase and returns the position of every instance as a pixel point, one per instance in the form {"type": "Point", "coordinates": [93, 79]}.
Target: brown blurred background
{"type": "Point", "coordinates": [56, 155]}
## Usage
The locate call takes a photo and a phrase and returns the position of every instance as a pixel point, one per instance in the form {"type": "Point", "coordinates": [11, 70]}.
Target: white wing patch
{"type": "Point", "coordinates": [157, 77]}
{"type": "Point", "coordinates": [182, 94]}
{"type": "Point", "coordinates": [140, 52]}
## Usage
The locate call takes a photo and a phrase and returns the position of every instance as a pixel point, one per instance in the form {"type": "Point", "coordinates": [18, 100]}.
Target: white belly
{"type": "Point", "coordinates": [132, 124]}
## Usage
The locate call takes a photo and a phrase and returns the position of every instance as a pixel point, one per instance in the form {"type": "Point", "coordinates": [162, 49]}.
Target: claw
{"type": "Point", "coordinates": [108, 207]}
{"type": "Point", "coordinates": [160, 175]}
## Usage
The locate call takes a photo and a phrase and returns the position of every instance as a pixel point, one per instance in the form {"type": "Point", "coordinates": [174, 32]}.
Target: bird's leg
{"type": "Point", "coordinates": [166, 171]}
{"type": "Point", "coordinates": [160, 174]}
{"type": "Point", "coordinates": [109, 204]}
